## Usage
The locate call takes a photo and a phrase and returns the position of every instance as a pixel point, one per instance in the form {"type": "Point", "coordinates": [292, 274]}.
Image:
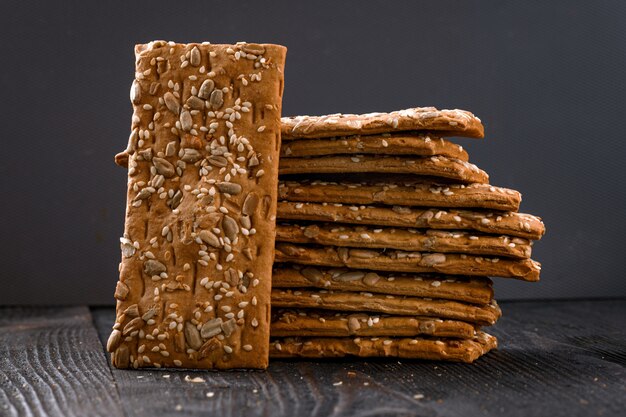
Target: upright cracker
{"type": "Point", "coordinates": [433, 166]}
{"type": "Point", "coordinates": [475, 290]}
{"type": "Point", "coordinates": [314, 323]}
{"type": "Point", "coordinates": [521, 225]}
{"type": "Point", "coordinates": [429, 240]}
{"type": "Point", "coordinates": [455, 350]}
{"type": "Point", "coordinates": [403, 261]}
{"type": "Point", "coordinates": [385, 144]}
{"type": "Point", "coordinates": [403, 194]}
{"type": "Point", "coordinates": [194, 288]}
{"type": "Point", "coordinates": [444, 122]}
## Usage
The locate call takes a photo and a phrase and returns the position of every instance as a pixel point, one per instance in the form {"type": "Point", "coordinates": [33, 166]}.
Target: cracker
{"type": "Point", "coordinates": [455, 350]}
{"type": "Point", "coordinates": [386, 144]}
{"type": "Point", "coordinates": [407, 194]}
{"type": "Point", "coordinates": [433, 166]}
{"type": "Point", "coordinates": [402, 261]}
{"type": "Point", "coordinates": [444, 122]}
{"type": "Point", "coordinates": [429, 240]}
{"type": "Point", "coordinates": [521, 225]}
{"type": "Point", "coordinates": [388, 304]}
{"type": "Point", "coordinates": [194, 287]}
{"type": "Point", "coordinates": [314, 323]}
{"type": "Point", "coordinates": [476, 290]}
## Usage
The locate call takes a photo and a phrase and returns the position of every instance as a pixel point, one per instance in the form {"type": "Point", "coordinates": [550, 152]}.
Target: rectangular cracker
{"type": "Point", "coordinates": [402, 261]}
{"type": "Point", "coordinates": [438, 349]}
{"type": "Point", "coordinates": [476, 290]}
{"type": "Point", "coordinates": [408, 194]}
{"type": "Point", "coordinates": [386, 144]}
{"type": "Point", "coordinates": [444, 122]}
{"type": "Point", "coordinates": [514, 224]}
{"type": "Point", "coordinates": [484, 315]}
{"type": "Point", "coordinates": [202, 181]}
{"type": "Point", "coordinates": [428, 240]}
{"type": "Point", "coordinates": [319, 323]}
{"type": "Point", "coordinates": [432, 166]}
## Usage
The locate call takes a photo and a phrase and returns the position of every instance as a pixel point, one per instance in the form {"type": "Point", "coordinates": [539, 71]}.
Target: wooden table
{"type": "Point", "coordinates": [559, 358]}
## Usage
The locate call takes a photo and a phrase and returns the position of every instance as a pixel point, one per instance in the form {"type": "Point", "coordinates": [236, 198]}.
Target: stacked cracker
{"type": "Point", "coordinates": [386, 237]}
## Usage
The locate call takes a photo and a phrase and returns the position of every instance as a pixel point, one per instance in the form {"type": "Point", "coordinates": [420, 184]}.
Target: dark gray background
{"type": "Point", "coordinates": [546, 77]}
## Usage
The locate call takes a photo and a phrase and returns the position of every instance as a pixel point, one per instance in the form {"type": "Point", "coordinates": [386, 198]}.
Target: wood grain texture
{"type": "Point", "coordinates": [555, 358]}
{"type": "Point", "coordinates": [52, 364]}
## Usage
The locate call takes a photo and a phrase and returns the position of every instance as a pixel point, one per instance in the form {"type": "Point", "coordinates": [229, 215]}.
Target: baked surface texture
{"type": "Point", "coordinates": [197, 250]}
{"type": "Point", "coordinates": [443, 122]}
{"type": "Point", "coordinates": [385, 144]}
{"type": "Point", "coordinates": [314, 323]}
{"type": "Point", "coordinates": [521, 225]}
{"type": "Point", "coordinates": [456, 350]}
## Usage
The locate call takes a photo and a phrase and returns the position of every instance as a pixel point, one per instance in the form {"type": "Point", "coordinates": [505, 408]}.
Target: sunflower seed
{"type": "Point", "coordinates": [149, 314]}
{"type": "Point", "coordinates": [143, 194]}
{"type": "Point", "coordinates": [190, 155]}
{"type": "Point", "coordinates": [218, 161]}
{"type": "Point", "coordinates": [175, 200]}
{"type": "Point", "coordinates": [344, 254]}
{"type": "Point", "coordinates": [185, 120]}
{"type": "Point", "coordinates": [163, 167]}
{"type": "Point", "coordinates": [153, 267]}
{"type": "Point", "coordinates": [253, 48]}
{"type": "Point", "coordinates": [228, 327]}
{"type": "Point", "coordinates": [433, 259]}
{"type": "Point", "coordinates": [195, 103]}
{"type": "Point", "coordinates": [209, 238]}
{"type": "Point", "coordinates": [245, 222]}
{"type": "Point", "coordinates": [206, 89]}
{"type": "Point", "coordinates": [229, 187]}
{"type": "Point", "coordinates": [350, 276]}
{"type": "Point", "coordinates": [250, 204]}
{"type": "Point", "coordinates": [132, 311]}
{"type": "Point", "coordinates": [194, 59]}
{"type": "Point", "coordinates": [121, 359]}
{"type": "Point", "coordinates": [192, 336]}
{"type": "Point", "coordinates": [217, 99]}
{"type": "Point", "coordinates": [353, 324]}
{"type": "Point", "coordinates": [230, 227]}
{"type": "Point", "coordinates": [371, 278]}
{"type": "Point", "coordinates": [171, 103]}
{"type": "Point", "coordinates": [134, 324]}
{"type": "Point", "coordinates": [121, 291]}
{"type": "Point", "coordinates": [253, 161]}
{"type": "Point", "coordinates": [312, 274]}
{"type": "Point", "coordinates": [211, 328]}
{"type": "Point", "coordinates": [311, 231]}
{"type": "Point", "coordinates": [135, 92]}
{"type": "Point", "coordinates": [114, 340]}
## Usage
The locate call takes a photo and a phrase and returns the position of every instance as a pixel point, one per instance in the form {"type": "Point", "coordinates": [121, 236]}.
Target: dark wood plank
{"type": "Point", "coordinates": [555, 358]}
{"type": "Point", "coordinates": [52, 364]}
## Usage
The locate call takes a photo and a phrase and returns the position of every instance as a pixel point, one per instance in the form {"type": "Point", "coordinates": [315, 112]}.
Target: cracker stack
{"type": "Point", "coordinates": [386, 237]}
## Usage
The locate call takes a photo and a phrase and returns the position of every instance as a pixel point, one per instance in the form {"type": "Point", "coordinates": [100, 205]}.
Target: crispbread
{"type": "Point", "coordinates": [456, 350]}
{"type": "Point", "coordinates": [384, 303]}
{"type": "Point", "coordinates": [432, 166]}
{"type": "Point", "coordinates": [319, 323]}
{"type": "Point", "coordinates": [401, 261]}
{"type": "Point", "coordinates": [408, 194]}
{"type": "Point", "coordinates": [476, 290]}
{"type": "Point", "coordinates": [386, 144]}
{"type": "Point", "coordinates": [429, 240]}
{"type": "Point", "coordinates": [195, 203]}
{"type": "Point", "coordinates": [444, 122]}
{"type": "Point", "coordinates": [501, 223]}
